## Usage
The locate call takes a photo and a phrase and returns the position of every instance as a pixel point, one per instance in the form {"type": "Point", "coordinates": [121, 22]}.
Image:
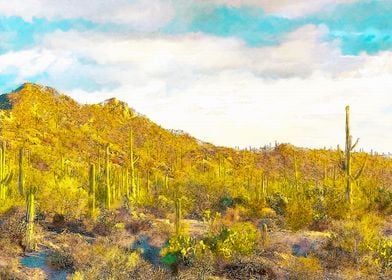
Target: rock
{"type": "Point", "coordinates": [302, 248]}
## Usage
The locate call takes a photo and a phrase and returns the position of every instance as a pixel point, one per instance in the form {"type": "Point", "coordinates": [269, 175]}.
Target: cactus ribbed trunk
{"type": "Point", "coordinates": [348, 150]}
{"type": "Point", "coordinates": [5, 172]}
{"type": "Point", "coordinates": [127, 193]}
{"type": "Point", "coordinates": [30, 242]}
{"type": "Point", "coordinates": [2, 172]}
{"type": "Point", "coordinates": [21, 175]}
{"type": "Point", "coordinates": [167, 182]}
{"type": "Point", "coordinates": [264, 188]}
{"type": "Point", "coordinates": [92, 189]}
{"type": "Point", "coordinates": [133, 161]}
{"type": "Point", "coordinates": [108, 192]}
{"type": "Point", "coordinates": [178, 216]}
{"type": "Point", "coordinates": [296, 172]}
{"type": "Point", "coordinates": [350, 177]}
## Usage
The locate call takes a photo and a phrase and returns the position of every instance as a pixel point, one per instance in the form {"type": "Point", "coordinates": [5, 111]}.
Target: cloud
{"type": "Point", "coordinates": [298, 54]}
{"type": "Point", "coordinates": [220, 89]}
{"type": "Point", "coordinates": [142, 15]}
{"type": "Point", "coordinates": [286, 8]}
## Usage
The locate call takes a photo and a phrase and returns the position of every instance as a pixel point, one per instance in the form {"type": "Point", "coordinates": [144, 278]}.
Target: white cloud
{"type": "Point", "coordinates": [223, 91]}
{"type": "Point", "coordinates": [297, 55]}
{"type": "Point", "coordinates": [143, 15]}
{"type": "Point", "coordinates": [286, 8]}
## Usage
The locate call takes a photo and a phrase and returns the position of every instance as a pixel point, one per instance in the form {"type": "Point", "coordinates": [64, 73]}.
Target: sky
{"type": "Point", "coordinates": [229, 72]}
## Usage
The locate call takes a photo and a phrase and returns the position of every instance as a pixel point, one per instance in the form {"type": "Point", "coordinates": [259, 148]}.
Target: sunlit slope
{"type": "Point", "coordinates": [56, 130]}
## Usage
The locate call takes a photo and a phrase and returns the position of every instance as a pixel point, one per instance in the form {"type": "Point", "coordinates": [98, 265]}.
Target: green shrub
{"type": "Point", "coordinates": [299, 214]}
{"type": "Point", "coordinates": [180, 249]}
{"type": "Point", "coordinates": [384, 254]}
{"type": "Point", "coordinates": [278, 202]}
{"type": "Point", "coordinates": [239, 239]}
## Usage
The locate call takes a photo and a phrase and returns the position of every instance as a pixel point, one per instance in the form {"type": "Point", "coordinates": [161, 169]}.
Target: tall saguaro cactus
{"type": "Point", "coordinates": [108, 193]}
{"type": "Point", "coordinates": [133, 160]}
{"type": "Point", "coordinates": [178, 216]}
{"type": "Point", "coordinates": [92, 189]}
{"type": "Point", "coordinates": [348, 160]}
{"type": "Point", "coordinates": [30, 216]}
{"type": "Point", "coordinates": [296, 172]}
{"type": "Point", "coordinates": [5, 172]}
{"type": "Point", "coordinates": [21, 175]}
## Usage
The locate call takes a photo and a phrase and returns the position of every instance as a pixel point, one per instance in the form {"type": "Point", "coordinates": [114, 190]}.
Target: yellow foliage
{"type": "Point", "coordinates": [306, 268]}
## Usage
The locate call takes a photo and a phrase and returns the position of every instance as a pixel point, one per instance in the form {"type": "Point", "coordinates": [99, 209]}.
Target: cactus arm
{"type": "Point", "coordinates": [355, 144]}
{"type": "Point", "coordinates": [360, 171]}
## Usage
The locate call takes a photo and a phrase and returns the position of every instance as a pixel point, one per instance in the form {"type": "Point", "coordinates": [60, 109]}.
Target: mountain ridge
{"type": "Point", "coordinates": [53, 125]}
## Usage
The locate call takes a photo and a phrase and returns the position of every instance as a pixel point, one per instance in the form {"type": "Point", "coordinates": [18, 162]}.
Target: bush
{"type": "Point", "coordinates": [384, 254]}
{"type": "Point", "coordinates": [356, 238]}
{"type": "Point", "coordinates": [102, 261]}
{"type": "Point", "coordinates": [299, 214]}
{"type": "Point", "coordinates": [383, 199]}
{"type": "Point", "coordinates": [137, 226]}
{"type": "Point", "coordinates": [278, 202]}
{"type": "Point", "coordinates": [180, 249]}
{"type": "Point", "coordinates": [239, 239]}
{"type": "Point", "coordinates": [13, 225]}
{"type": "Point", "coordinates": [66, 197]}
{"type": "Point", "coordinates": [306, 268]}
{"type": "Point", "coordinates": [249, 268]}
{"type": "Point", "coordinates": [60, 260]}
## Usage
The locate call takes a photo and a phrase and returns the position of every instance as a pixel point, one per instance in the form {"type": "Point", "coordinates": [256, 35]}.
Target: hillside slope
{"type": "Point", "coordinates": [56, 130]}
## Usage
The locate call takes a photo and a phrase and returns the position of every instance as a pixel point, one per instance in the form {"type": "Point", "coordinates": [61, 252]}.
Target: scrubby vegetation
{"type": "Point", "coordinates": [107, 194]}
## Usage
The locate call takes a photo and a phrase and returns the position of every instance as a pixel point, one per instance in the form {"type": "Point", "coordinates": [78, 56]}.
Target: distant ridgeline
{"type": "Point", "coordinates": [137, 159]}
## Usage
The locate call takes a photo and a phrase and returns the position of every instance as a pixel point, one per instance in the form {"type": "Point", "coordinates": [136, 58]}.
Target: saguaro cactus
{"type": "Point", "coordinates": [108, 193]}
{"type": "Point", "coordinates": [92, 189]}
{"type": "Point", "coordinates": [133, 160]}
{"type": "Point", "coordinates": [5, 172]}
{"type": "Point", "coordinates": [30, 216]}
{"type": "Point", "coordinates": [348, 160]}
{"type": "Point", "coordinates": [264, 235]}
{"type": "Point", "coordinates": [21, 175]}
{"type": "Point", "coordinates": [178, 216]}
{"type": "Point", "coordinates": [296, 172]}
{"type": "Point", "coordinates": [261, 190]}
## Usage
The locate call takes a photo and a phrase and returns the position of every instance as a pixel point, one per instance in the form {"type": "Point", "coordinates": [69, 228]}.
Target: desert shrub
{"type": "Point", "coordinates": [355, 238]}
{"type": "Point", "coordinates": [65, 197]}
{"type": "Point", "coordinates": [105, 224]}
{"type": "Point", "coordinates": [299, 214]}
{"type": "Point", "coordinates": [278, 202]}
{"type": "Point", "coordinates": [383, 200]}
{"type": "Point", "coordinates": [383, 252]}
{"type": "Point", "coordinates": [306, 268]}
{"type": "Point", "coordinates": [60, 260]}
{"type": "Point", "coordinates": [239, 239]}
{"type": "Point", "coordinates": [8, 273]}
{"type": "Point", "coordinates": [335, 204]}
{"type": "Point", "coordinates": [144, 270]}
{"type": "Point", "coordinates": [232, 216]}
{"type": "Point", "coordinates": [103, 261]}
{"type": "Point", "coordinates": [180, 250]}
{"type": "Point", "coordinates": [249, 268]}
{"type": "Point", "coordinates": [13, 225]}
{"type": "Point", "coordinates": [226, 202]}
{"type": "Point", "coordinates": [203, 267]}
{"type": "Point", "coordinates": [136, 226]}
{"type": "Point", "coordinates": [140, 271]}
